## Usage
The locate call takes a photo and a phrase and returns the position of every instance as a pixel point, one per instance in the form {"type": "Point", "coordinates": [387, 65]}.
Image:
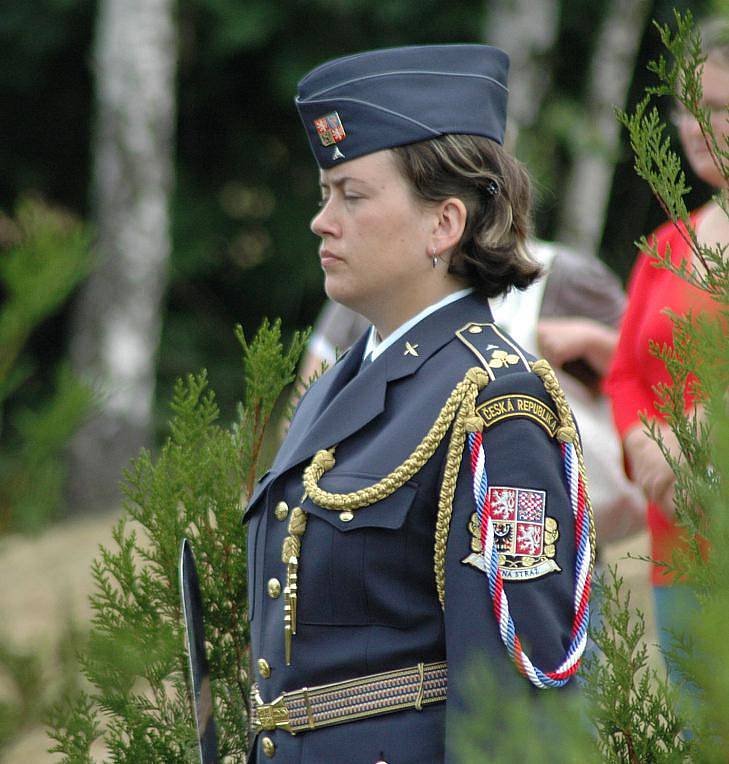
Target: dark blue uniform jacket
{"type": "Point", "coordinates": [367, 592]}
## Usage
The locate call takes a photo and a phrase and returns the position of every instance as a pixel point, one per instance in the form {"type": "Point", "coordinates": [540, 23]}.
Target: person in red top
{"type": "Point", "coordinates": [652, 293]}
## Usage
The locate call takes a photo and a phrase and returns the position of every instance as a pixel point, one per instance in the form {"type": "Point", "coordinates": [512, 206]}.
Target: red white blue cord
{"type": "Point", "coordinates": [578, 500]}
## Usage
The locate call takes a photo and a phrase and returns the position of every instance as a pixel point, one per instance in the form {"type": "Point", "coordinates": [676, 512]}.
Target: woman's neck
{"type": "Point", "coordinates": [399, 308]}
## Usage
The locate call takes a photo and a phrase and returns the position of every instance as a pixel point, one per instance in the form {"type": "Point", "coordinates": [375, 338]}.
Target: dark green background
{"type": "Point", "coordinates": [246, 184]}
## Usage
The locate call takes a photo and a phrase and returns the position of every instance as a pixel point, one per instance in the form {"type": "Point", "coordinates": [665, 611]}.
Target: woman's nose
{"type": "Point", "coordinates": [323, 223]}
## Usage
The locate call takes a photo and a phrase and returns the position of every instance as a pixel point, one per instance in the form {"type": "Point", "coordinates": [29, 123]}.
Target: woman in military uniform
{"type": "Point", "coordinates": [427, 509]}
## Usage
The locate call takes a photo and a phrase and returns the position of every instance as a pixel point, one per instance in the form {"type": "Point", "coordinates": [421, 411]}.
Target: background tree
{"type": "Point", "coordinates": [44, 255]}
{"type": "Point", "coordinates": [117, 322]}
{"type": "Point", "coordinates": [610, 71]}
{"type": "Point", "coordinates": [529, 31]}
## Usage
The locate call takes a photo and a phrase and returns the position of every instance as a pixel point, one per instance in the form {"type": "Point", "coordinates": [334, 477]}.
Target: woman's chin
{"type": "Point", "coordinates": [337, 290]}
{"type": "Point", "coordinates": [704, 168]}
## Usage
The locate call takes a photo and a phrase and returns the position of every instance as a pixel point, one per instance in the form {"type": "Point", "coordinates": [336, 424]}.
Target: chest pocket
{"type": "Point", "coordinates": [358, 572]}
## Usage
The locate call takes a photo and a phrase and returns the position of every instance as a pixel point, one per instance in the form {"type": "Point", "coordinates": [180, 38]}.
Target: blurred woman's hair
{"type": "Point", "coordinates": [492, 255]}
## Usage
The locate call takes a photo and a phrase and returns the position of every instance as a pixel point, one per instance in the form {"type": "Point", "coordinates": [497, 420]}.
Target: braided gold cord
{"type": "Point", "coordinates": [291, 548]}
{"type": "Point", "coordinates": [468, 389]}
{"type": "Point", "coordinates": [448, 490]}
{"type": "Point", "coordinates": [567, 433]}
{"type": "Point", "coordinates": [292, 542]}
{"type": "Point", "coordinates": [297, 522]}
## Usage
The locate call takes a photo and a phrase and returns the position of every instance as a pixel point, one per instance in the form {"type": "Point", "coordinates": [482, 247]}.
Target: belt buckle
{"type": "Point", "coordinates": [274, 715]}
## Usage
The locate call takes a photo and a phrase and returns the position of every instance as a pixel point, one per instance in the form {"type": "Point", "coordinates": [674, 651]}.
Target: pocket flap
{"type": "Point", "coordinates": [388, 513]}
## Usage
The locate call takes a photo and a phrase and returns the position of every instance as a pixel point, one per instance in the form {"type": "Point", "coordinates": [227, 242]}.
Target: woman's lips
{"type": "Point", "coordinates": [328, 258]}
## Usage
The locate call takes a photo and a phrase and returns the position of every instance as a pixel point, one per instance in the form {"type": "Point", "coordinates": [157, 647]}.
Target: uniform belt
{"type": "Point", "coordinates": [373, 695]}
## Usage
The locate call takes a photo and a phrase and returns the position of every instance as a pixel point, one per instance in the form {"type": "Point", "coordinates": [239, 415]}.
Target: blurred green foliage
{"type": "Point", "coordinates": [28, 696]}
{"type": "Point", "coordinates": [44, 255]}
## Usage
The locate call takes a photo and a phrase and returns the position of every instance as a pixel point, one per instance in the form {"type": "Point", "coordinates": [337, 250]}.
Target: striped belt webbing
{"type": "Point", "coordinates": [313, 707]}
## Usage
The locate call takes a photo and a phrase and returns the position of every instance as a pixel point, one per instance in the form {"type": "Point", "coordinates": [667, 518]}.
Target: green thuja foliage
{"type": "Point", "coordinates": [632, 706]}
{"type": "Point", "coordinates": [136, 662]}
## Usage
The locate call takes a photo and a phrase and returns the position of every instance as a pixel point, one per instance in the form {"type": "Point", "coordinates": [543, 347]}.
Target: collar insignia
{"type": "Point", "coordinates": [411, 349]}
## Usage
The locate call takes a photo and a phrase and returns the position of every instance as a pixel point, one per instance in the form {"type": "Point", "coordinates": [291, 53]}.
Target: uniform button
{"type": "Point", "coordinates": [475, 329]}
{"type": "Point", "coordinates": [346, 516]}
{"type": "Point", "coordinates": [268, 746]}
{"type": "Point", "coordinates": [281, 511]}
{"type": "Point", "coordinates": [263, 668]}
{"type": "Point", "coordinates": [274, 588]}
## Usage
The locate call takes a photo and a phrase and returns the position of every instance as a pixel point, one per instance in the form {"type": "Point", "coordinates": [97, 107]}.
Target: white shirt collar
{"type": "Point", "coordinates": [377, 347]}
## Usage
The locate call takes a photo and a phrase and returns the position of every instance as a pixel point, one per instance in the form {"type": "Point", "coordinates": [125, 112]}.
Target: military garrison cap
{"type": "Point", "coordinates": [376, 100]}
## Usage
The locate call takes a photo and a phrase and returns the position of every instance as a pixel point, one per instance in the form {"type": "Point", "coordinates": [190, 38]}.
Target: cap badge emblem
{"type": "Point", "coordinates": [330, 129]}
{"type": "Point", "coordinates": [337, 154]}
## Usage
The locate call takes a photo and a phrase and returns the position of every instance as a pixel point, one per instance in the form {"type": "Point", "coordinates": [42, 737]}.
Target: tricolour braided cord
{"type": "Point", "coordinates": [578, 500]}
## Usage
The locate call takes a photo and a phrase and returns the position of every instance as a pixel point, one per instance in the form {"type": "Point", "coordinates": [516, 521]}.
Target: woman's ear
{"type": "Point", "coordinates": [450, 224]}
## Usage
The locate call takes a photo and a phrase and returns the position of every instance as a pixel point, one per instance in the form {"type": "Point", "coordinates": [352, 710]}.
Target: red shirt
{"type": "Point", "coordinates": [635, 370]}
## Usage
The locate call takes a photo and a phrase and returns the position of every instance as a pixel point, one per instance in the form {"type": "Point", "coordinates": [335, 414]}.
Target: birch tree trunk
{"type": "Point", "coordinates": [117, 322]}
{"type": "Point", "coordinates": [527, 30]}
{"type": "Point", "coordinates": [587, 191]}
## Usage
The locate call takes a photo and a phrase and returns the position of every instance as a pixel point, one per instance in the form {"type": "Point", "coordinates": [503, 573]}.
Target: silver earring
{"type": "Point", "coordinates": [435, 258]}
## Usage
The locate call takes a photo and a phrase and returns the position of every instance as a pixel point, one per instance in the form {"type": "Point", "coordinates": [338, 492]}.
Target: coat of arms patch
{"type": "Point", "coordinates": [524, 536]}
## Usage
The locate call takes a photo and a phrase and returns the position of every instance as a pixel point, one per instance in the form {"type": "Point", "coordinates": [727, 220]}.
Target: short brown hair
{"type": "Point", "coordinates": [491, 255]}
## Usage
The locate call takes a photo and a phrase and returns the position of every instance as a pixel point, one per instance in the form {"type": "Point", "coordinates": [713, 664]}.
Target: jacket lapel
{"type": "Point", "coordinates": [346, 409]}
{"type": "Point", "coordinates": [316, 400]}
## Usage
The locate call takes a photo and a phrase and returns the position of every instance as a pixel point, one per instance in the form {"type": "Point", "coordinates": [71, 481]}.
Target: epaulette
{"type": "Point", "coordinates": [494, 350]}
{"type": "Point", "coordinates": [498, 353]}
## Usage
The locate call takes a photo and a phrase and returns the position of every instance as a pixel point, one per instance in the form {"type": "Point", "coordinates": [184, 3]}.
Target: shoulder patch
{"type": "Point", "coordinates": [517, 405]}
{"type": "Point", "coordinates": [525, 537]}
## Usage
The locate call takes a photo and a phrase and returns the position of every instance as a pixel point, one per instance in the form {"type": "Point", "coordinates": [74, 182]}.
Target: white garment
{"type": "Point", "coordinates": [618, 504]}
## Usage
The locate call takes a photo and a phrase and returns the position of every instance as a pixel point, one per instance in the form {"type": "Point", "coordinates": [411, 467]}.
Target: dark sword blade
{"type": "Point", "coordinates": [202, 696]}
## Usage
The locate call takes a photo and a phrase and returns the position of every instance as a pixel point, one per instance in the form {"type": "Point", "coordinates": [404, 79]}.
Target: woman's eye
{"type": "Point", "coordinates": [351, 197]}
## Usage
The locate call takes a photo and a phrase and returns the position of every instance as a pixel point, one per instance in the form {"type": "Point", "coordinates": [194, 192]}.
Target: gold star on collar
{"type": "Point", "coordinates": [411, 349]}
